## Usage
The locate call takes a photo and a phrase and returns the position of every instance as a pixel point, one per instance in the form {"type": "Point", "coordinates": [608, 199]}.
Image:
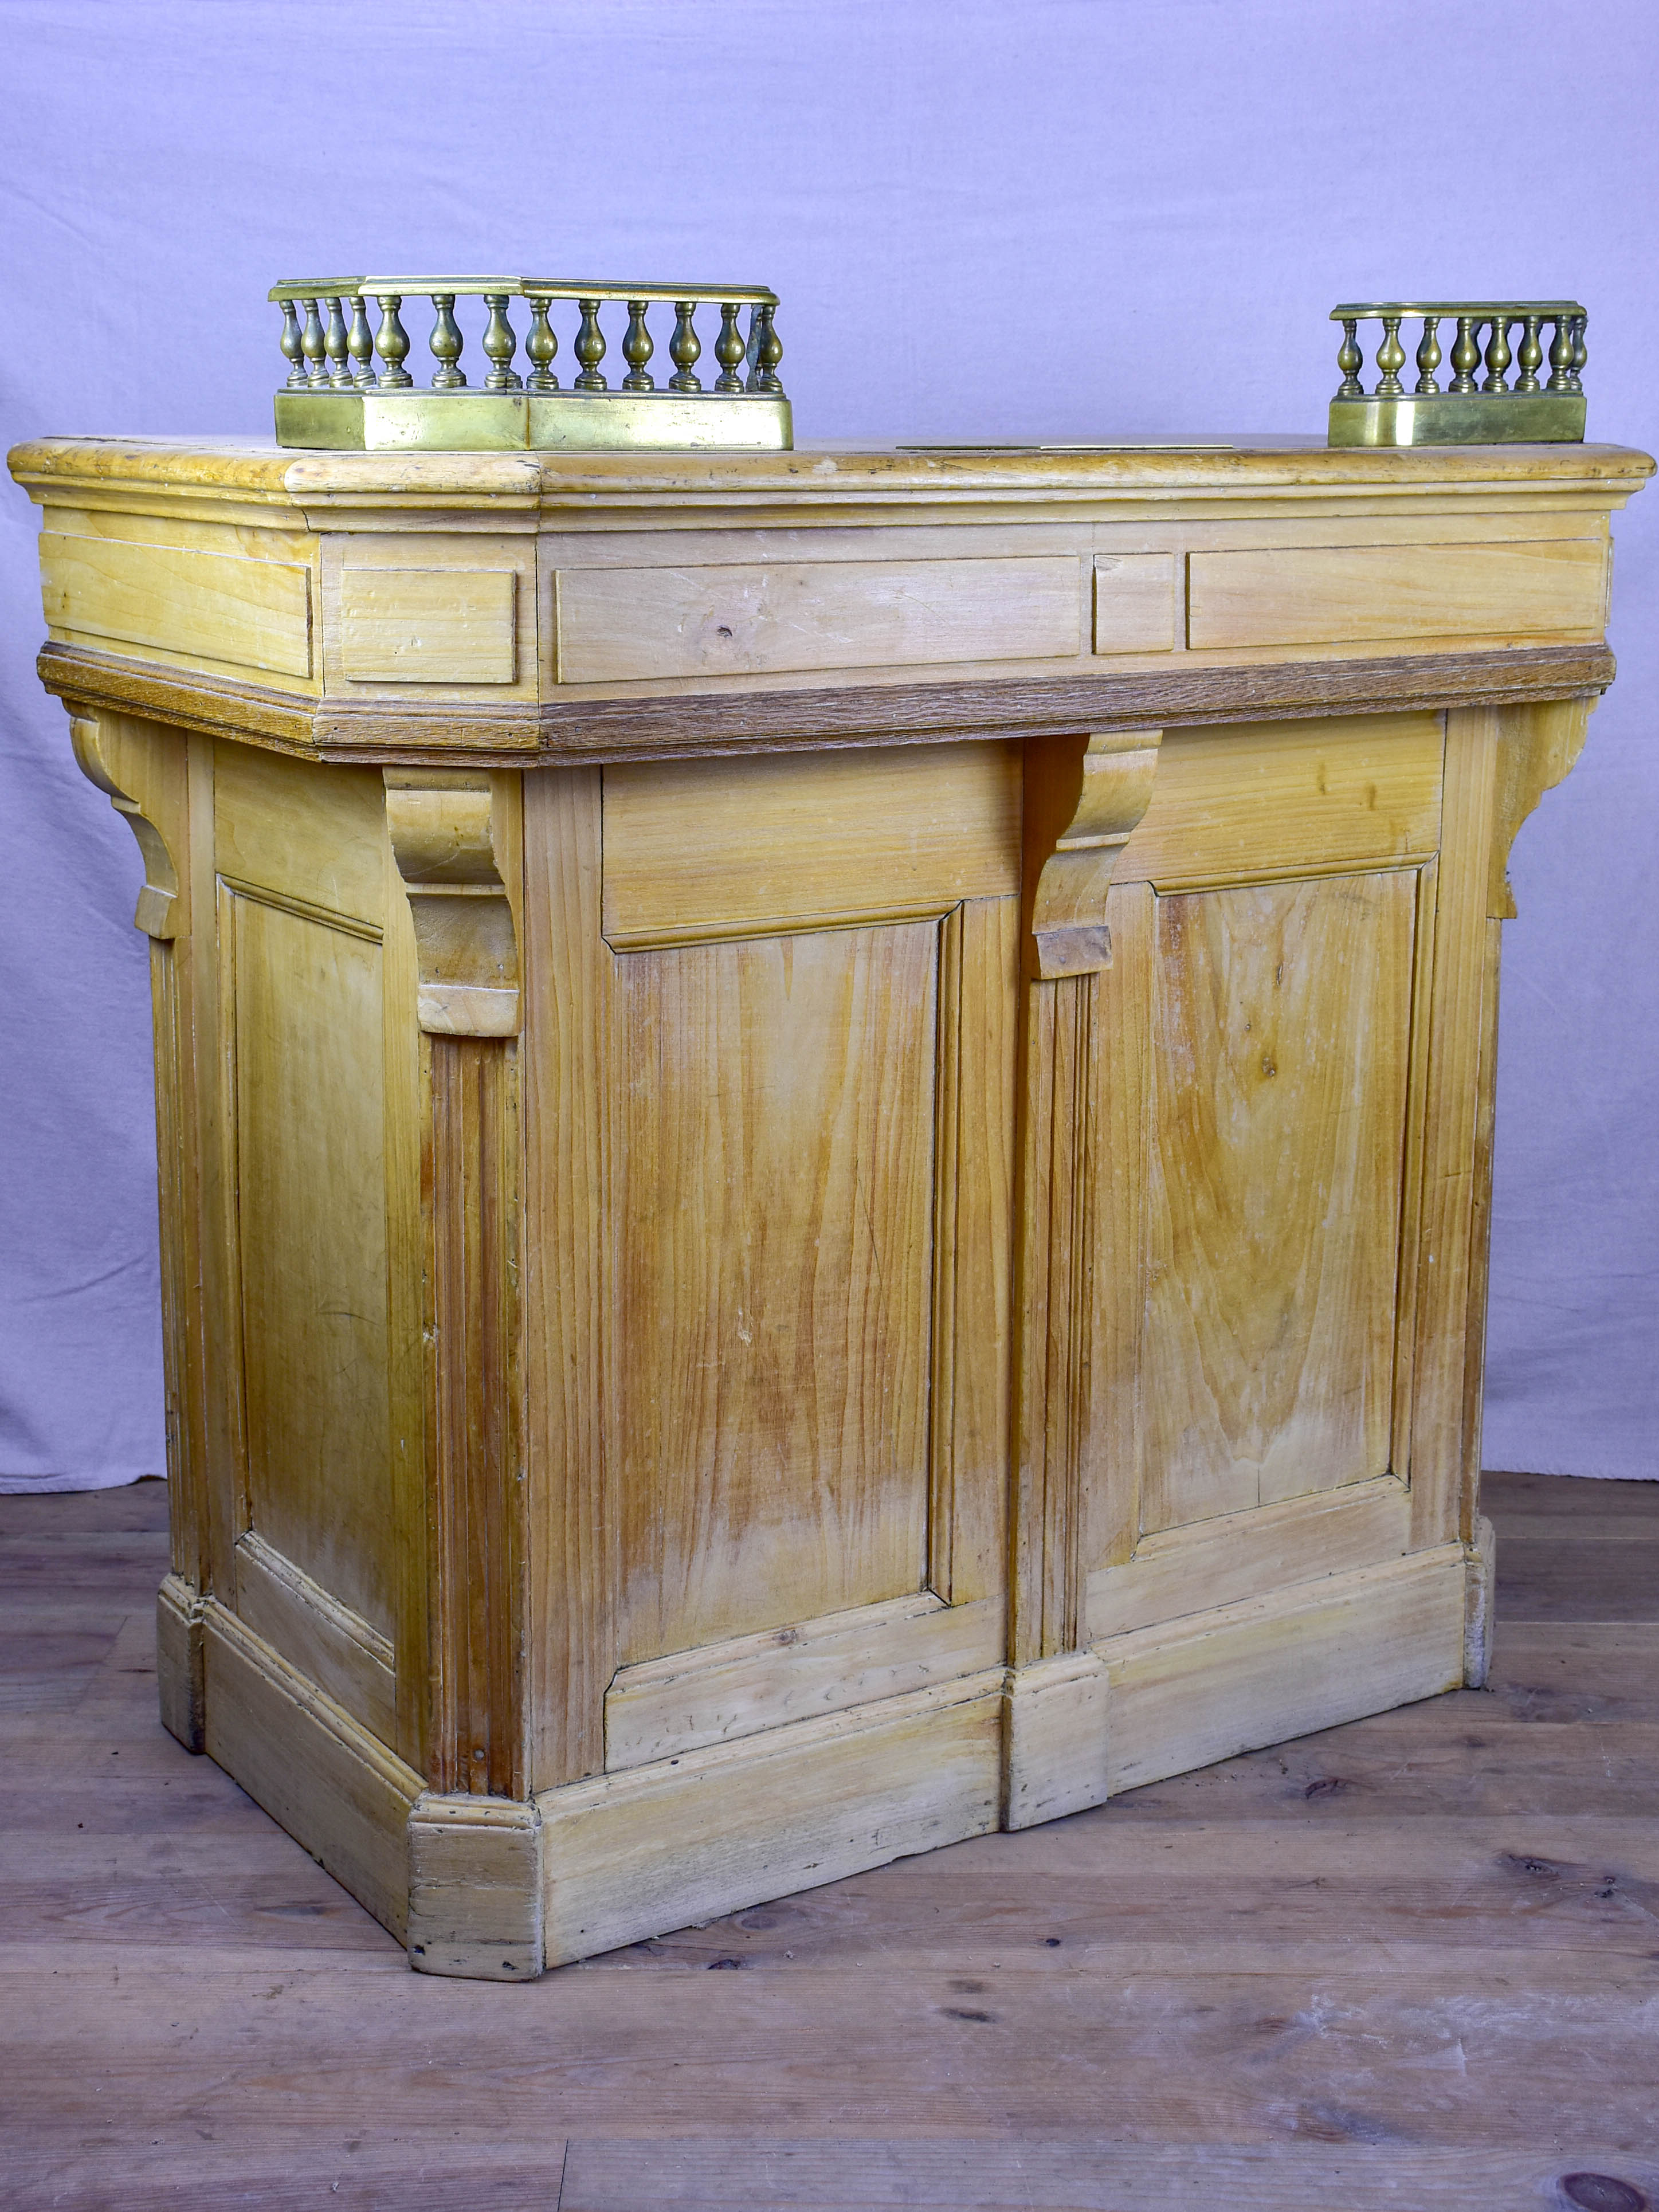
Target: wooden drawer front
{"type": "Point", "coordinates": [696, 849]}
{"type": "Point", "coordinates": [1348, 594]}
{"type": "Point", "coordinates": [625, 625]}
{"type": "Point", "coordinates": [251, 614]}
{"type": "Point", "coordinates": [428, 625]}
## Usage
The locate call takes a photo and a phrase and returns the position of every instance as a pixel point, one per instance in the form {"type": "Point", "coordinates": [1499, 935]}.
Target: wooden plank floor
{"type": "Point", "coordinates": [1411, 1963]}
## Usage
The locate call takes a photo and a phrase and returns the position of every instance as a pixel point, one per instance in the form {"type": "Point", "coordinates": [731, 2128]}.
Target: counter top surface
{"type": "Point", "coordinates": [828, 474]}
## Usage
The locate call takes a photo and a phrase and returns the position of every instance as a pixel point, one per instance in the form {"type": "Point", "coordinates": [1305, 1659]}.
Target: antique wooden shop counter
{"type": "Point", "coordinates": [824, 1122]}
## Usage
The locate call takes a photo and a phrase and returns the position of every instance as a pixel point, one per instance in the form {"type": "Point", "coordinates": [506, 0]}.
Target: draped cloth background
{"type": "Point", "coordinates": [1069, 219]}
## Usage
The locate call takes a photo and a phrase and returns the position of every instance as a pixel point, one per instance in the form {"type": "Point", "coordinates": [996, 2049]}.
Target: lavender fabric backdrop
{"type": "Point", "coordinates": [1074, 219]}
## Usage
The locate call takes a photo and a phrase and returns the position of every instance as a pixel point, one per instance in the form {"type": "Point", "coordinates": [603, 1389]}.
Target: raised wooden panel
{"type": "Point", "coordinates": [666, 1706]}
{"type": "Point", "coordinates": [251, 614]}
{"type": "Point", "coordinates": [314, 836]}
{"type": "Point", "coordinates": [1281, 1041]}
{"type": "Point", "coordinates": [800, 841]}
{"type": "Point", "coordinates": [428, 625]}
{"type": "Point", "coordinates": [310, 1207]}
{"type": "Point", "coordinates": [626, 625]}
{"type": "Point", "coordinates": [1135, 602]}
{"type": "Point", "coordinates": [1351, 594]}
{"type": "Point", "coordinates": [773, 1354]}
{"type": "Point", "coordinates": [1248, 801]}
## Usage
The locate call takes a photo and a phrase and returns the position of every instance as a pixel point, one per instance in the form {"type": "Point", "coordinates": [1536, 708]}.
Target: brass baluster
{"type": "Point", "coordinates": [1561, 354]}
{"type": "Point", "coordinates": [294, 348]}
{"type": "Point", "coordinates": [685, 348]}
{"type": "Point", "coordinates": [1580, 351]}
{"type": "Point", "coordinates": [1428, 355]}
{"type": "Point", "coordinates": [1498, 354]}
{"type": "Point", "coordinates": [339, 364]}
{"type": "Point", "coordinates": [771, 352]}
{"type": "Point", "coordinates": [1465, 355]}
{"type": "Point", "coordinates": [1531, 354]}
{"type": "Point", "coordinates": [391, 343]}
{"type": "Point", "coordinates": [500, 344]}
{"type": "Point", "coordinates": [312, 345]}
{"type": "Point", "coordinates": [637, 349]}
{"type": "Point", "coordinates": [1390, 358]}
{"type": "Point", "coordinates": [729, 350]}
{"type": "Point", "coordinates": [541, 344]}
{"type": "Point", "coordinates": [361, 345]}
{"type": "Point", "coordinates": [590, 348]}
{"type": "Point", "coordinates": [446, 343]}
{"type": "Point", "coordinates": [1350, 360]}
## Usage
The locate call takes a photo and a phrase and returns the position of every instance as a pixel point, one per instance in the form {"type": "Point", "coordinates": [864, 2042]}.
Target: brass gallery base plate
{"type": "Point", "coordinates": [513, 421]}
{"type": "Point", "coordinates": [1447, 418]}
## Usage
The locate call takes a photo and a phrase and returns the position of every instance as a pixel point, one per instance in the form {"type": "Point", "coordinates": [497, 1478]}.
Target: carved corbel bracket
{"type": "Point", "coordinates": [1536, 750]}
{"type": "Point", "coordinates": [447, 838]}
{"type": "Point", "coordinates": [1084, 797]}
{"type": "Point", "coordinates": [157, 911]}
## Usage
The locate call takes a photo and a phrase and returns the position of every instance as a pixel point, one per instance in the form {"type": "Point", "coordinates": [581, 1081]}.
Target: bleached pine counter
{"type": "Point", "coordinates": [824, 1123]}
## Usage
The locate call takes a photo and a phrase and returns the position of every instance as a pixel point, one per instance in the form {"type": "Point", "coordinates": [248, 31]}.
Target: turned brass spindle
{"type": "Point", "coordinates": [1428, 355]}
{"type": "Point", "coordinates": [637, 349]}
{"type": "Point", "coordinates": [335, 345]}
{"type": "Point", "coordinates": [1465, 355]}
{"type": "Point", "coordinates": [1561, 354]}
{"type": "Point", "coordinates": [765, 350]}
{"type": "Point", "coordinates": [684, 348]}
{"type": "Point", "coordinates": [446, 343]}
{"type": "Point", "coordinates": [1390, 358]}
{"type": "Point", "coordinates": [391, 343]}
{"type": "Point", "coordinates": [360, 344]}
{"type": "Point", "coordinates": [294, 348]}
{"type": "Point", "coordinates": [1580, 351]}
{"type": "Point", "coordinates": [1530, 357]}
{"type": "Point", "coordinates": [1350, 360]}
{"type": "Point", "coordinates": [1498, 355]}
{"type": "Point", "coordinates": [729, 350]}
{"type": "Point", "coordinates": [500, 344]}
{"type": "Point", "coordinates": [541, 344]}
{"type": "Point", "coordinates": [590, 348]}
{"type": "Point", "coordinates": [314, 346]}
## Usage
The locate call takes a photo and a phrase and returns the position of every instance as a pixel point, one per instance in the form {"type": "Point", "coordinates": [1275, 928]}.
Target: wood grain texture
{"type": "Point", "coordinates": [1249, 1554]}
{"type": "Point", "coordinates": [1255, 801]}
{"type": "Point", "coordinates": [1335, 1972]}
{"type": "Point", "coordinates": [662, 1707]}
{"type": "Point", "coordinates": [740, 1822]}
{"type": "Point", "coordinates": [1268, 1668]}
{"type": "Point", "coordinates": [163, 599]}
{"type": "Point", "coordinates": [1317, 595]}
{"type": "Point", "coordinates": [303, 996]}
{"type": "Point", "coordinates": [1056, 1713]}
{"type": "Point", "coordinates": [701, 849]}
{"type": "Point", "coordinates": [774, 1287]}
{"type": "Point", "coordinates": [1137, 602]}
{"type": "Point", "coordinates": [341, 1794]}
{"type": "Point", "coordinates": [1281, 1020]}
{"type": "Point", "coordinates": [427, 625]}
{"type": "Point", "coordinates": [1439, 1469]}
{"type": "Point", "coordinates": [626, 624]}
{"type": "Point", "coordinates": [573, 1539]}
{"type": "Point", "coordinates": [348, 1659]}
{"type": "Point", "coordinates": [476, 1742]}
{"type": "Point", "coordinates": [571, 732]}
{"type": "Point", "coordinates": [475, 1888]}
